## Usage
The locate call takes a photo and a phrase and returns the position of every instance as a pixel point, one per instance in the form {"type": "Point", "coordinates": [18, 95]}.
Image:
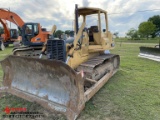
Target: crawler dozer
{"type": "Point", "coordinates": [73, 72]}
{"type": "Point", "coordinates": [152, 53]}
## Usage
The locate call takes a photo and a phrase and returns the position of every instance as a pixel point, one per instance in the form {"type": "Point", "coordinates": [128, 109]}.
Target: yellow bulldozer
{"type": "Point", "coordinates": [74, 71]}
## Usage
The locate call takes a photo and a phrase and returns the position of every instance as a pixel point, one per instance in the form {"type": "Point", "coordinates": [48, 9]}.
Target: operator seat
{"type": "Point", "coordinates": [91, 30]}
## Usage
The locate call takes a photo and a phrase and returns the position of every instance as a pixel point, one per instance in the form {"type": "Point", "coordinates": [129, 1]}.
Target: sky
{"type": "Point", "coordinates": [61, 12]}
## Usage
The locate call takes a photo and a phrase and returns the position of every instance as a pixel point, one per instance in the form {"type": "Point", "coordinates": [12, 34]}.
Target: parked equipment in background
{"type": "Point", "coordinates": [9, 36]}
{"type": "Point", "coordinates": [33, 36]}
{"type": "Point", "coordinates": [74, 71]}
{"type": "Point", "coordinates": [152, 53]}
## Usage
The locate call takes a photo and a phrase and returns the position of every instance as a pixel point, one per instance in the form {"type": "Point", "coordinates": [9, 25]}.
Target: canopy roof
{"type": "Point", "coordinates": [89, 11]}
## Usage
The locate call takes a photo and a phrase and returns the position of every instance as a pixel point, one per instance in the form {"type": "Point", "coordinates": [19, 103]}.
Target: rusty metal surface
{"type": "Point", "coordinates": [33, 52]}
{"type": "Point", "coordinates": [93, 62]}
{"type": "Point", "coordinates": [97, 60]}
{"type": "Point", "coordinates": [99, 69]}
{"type": "Point", "coordinates": [91, 91]}
{"type": "Point", "coordinates": [52, 84]}
{"type": "Point", "coordinates": [111, 66]}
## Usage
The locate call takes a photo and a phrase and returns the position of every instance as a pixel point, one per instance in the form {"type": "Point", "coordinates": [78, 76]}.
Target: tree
{"type": "Point", "coordinates": [67, 32]}
{"type": "Point", "coordinates": [116, 34]}
{"type": "Point", "coordinates": [146, 28]}
{"type": "Point", "coordinates": [156, 21]}
{"type": "Point", "coordinates": [132, 33]}
{"type": "Point", "coordinates": [58, 33]}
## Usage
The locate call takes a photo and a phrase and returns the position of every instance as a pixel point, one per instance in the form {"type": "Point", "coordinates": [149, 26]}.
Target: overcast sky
{"type": "Point", "coordinates": [61, 12]}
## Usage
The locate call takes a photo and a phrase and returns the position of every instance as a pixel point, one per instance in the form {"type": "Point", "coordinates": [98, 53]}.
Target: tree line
{"type": "Point", "coordinates": [146, 29]}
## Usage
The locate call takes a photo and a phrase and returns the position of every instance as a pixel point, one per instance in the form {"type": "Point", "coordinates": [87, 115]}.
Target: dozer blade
{"type": "Point", "coordinates": [150, 53]}
{"type": "Point", "coordinates": [55, 85]}
{"type": "Point", "coordinates": [51, 83]}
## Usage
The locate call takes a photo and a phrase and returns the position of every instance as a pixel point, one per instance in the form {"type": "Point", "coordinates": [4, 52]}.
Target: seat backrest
{"type": "Point", "coordinates": [92, 29]}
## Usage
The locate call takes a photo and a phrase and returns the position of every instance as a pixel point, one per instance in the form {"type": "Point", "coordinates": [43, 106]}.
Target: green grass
{"type": "Point", "coordinates": [133, 93]}
{"type": "Point", "coordinates": [142, 40]}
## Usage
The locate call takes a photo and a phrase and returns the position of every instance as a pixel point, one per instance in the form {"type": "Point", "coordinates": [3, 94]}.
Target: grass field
{"type": "Point", "coordinates": [142, 40]}
{"type": "Point", "coordinates": [133, 93]}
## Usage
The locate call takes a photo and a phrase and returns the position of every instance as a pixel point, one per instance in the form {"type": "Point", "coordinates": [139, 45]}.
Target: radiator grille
{"type": "Point", "coordinates": [56, 49]}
